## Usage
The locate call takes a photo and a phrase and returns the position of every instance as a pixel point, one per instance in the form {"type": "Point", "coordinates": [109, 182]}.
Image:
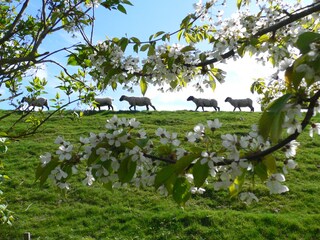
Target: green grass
{"type": "Point", "coordinates": [131, 213]}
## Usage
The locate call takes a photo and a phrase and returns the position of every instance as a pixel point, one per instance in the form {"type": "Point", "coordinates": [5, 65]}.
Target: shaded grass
{"type": "Point", "coordinates": [95, 213]}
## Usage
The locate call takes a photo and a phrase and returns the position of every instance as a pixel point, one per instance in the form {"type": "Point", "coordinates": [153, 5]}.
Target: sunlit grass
{"type": "Point", "coordinates": [96, 213]}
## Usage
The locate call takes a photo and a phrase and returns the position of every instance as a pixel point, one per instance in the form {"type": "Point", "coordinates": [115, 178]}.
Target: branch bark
{"type": "Point", "coordinates": [304, 123]}
{"type": "Point", "coordinates": [290, 19]}
{"type": "Point", "coordinates": [10, 32]}
{"type": "Point", "coordinates": [257, 156]}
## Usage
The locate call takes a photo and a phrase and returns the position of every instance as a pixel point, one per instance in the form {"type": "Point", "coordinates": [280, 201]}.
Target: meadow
{"type": "Point", "coordinates": [97, 213]}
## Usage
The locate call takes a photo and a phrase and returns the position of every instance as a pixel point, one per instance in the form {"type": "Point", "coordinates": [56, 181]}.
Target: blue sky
{"type": "Point", "coordinates": [148, 17]}
{"type": "Point", "coordinates": [142, 20]}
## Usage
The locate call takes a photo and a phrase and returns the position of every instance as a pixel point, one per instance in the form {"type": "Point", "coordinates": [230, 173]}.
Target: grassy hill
{"type": "Point", "coordinates": [131, 213]}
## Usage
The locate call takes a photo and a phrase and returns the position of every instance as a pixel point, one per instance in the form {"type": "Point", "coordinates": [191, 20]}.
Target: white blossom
{"type": "Point", "coordinates": [45, 159]}
{"type": "Point", "coordinates": [134, 123]}
{"type": "Point", "coordinates": [63, 185]}
{"type": "Point", "coordinates": [248, 197]}
{"type": "Point", "coordinates": [289, 164]}
{"type": "Point", "coordinates": [193, 137]}
{"type": "Point", "coordinates": [59, 140]}
{"type": "Point", "coordinates": [142, 133]}
{"type": "Point", "coordinates": [195, 190]}
{"type": "Point", "coordinates": [89, 178]}
{"type": "Point", "coordinates": [291, 149]}
{"type": "Point", "coordinates": [229, 141]}
{"type": "Point", "coordinates": [163, 190]}
{"type": "Point", "coordinates": [215, 124]}
{"type": "Point", "coordinates": [274, 184]}
{"type": "Point", "coordinates": [166, 137]}
{"type": "Point", "coordinates": [285, 63]}
{"type": "Point", "coordinates": [199, 129]}
{"type": "Point", "coordinates": [180, 152]}
{"type": "Point", "coordinates": [58, 174]}
{"type": "Point", "coordinates": [314, 128]}
{"type": "Point", "coordinates": [65, 151]}
{"type": "Point", "coordinates": [207, 156]}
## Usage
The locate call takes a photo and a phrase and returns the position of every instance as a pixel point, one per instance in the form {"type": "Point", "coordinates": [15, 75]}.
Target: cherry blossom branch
{"type": "Point", "coordinates": [257, 156]}
{"type": "Point", "coordinates": [291, 18]}
{"type": "Point", "coordinates": [294, 17]}
{"type": "Point", "coordinates": [167, 160]}
{"type": "Point", "coordinates": [304, 123]}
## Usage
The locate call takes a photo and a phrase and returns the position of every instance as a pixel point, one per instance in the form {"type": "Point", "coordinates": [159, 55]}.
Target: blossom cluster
{"type": "Point", "coordinates": [171, 66]}
{"type": "Point", "coordinates": [124, 154]}
{"type": "Point", "coordinates": [104, 151]}
{"type": "Point", "coordinates": [155, 68]}
{"type": "Point", "coordinates": [245, 23]}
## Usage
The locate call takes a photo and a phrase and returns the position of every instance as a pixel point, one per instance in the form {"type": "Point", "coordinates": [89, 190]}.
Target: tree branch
{"type": "Point", "coordinates": [258, 155]}
{"type": "Point", "coordinates": [294, 17]}
{"type": "Point", "coordinates": [304, 123]}
{"type": "Point", "coordinates": [42, 122]}
{"type": "Point", "coordinates": [10, 32]}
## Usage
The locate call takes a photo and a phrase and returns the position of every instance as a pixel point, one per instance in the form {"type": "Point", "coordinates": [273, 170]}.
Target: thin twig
{"type": "Point", "coordinates": [257, 156]}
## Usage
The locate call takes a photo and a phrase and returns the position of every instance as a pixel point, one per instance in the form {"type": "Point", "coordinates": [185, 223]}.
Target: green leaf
{"type": "Point", "coordinates": [180, 33]}
{"type": "Point", "coordinates": [141, 142]}
{"type": "Point", "coordinates": [108, 186]}
{"type": "Point", "coordinates": [72, 60]}
{"type": "Point", "coordinates": [261, 170]}
{"type": "Point", "coordinates": [170, 62]}
{"type": "Point", "coordinates": [270, 123]}
{"type": "Point", "coordinates": [106, 5]}
{"type": "Point", "coordinates": [42, 173]}
{"type": "Point", "coordinates": [127, 2]}
{"type": "Point", "coordinates": [163, 175]}
{"type": "Point", "coordinates": [200, 173]}
{"type": "Point", "coordinates": [185, 22]}
{"type": "Point", "coordinates": [241, 50]}
{"type": "Point", "coordinates": [272, 60]}
{"type": "Point", "coordinates": [151, 50]}
{"type": "Point", "coordinates": [213, 84]}
{"type": "Point", "coordinates": [236, 186]}
{"type": "Point", "coordinates": [263, 38]}
{"type": "Point", "coordinates": [305, 39]}
{"type": "Point", "coordinates": [239, 2]}
{"type": "Point", "coordinates": [257, 86]}
{"type": "Point", "coordinates": [123, 43]}
{"type": "Point", "coordinates": [135, 40]}
{"type": "Point", "coordinates": [288, 77]}
{"type": "Point", "coordinates": [115, 40]}
{"type": "Point", "coordinates": [158, 34]}
{"type": "Point", "coordinates": [114, 85]}
{"type": "Point", "coordinates": [143, 86]}
{"type": "Point", "coordinates": [169, 184]}
{"type": "Point", "coordinates": [166, 37]}
{"type": "Point", "coordinates": [298, 76]}
{"type": "Point", "coordinates": [3, 148]}
{"type": "Point", "coordinates": [181, 191]}
{"type": "Point", "coordinates": [127, 170]}
{"type": "Point", "coordinates": [202, 57]}
{"type": "Point", "coordinates": [187, 49]}
{"type": "Point", "coordinates": [144, 47]}
{"type": "Point", "coordinates": [93, 157]}
{"type": "Point", "coordinates": [270, 162]}
{"type": "Point", "coordinates": [183, 163]}
{"type": "Point", "coordinates": [174, 84]}
{"type": "Point", "coordinates": [254, 41]}
{"type": "Point", "coordinates": [3, 134]}
{"type": "Point", "coordinates": [136, 48]}
{"type": "Point", "coordinates": [190, 38]}
{"type": "Point", "coordinates": [122, 9]}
